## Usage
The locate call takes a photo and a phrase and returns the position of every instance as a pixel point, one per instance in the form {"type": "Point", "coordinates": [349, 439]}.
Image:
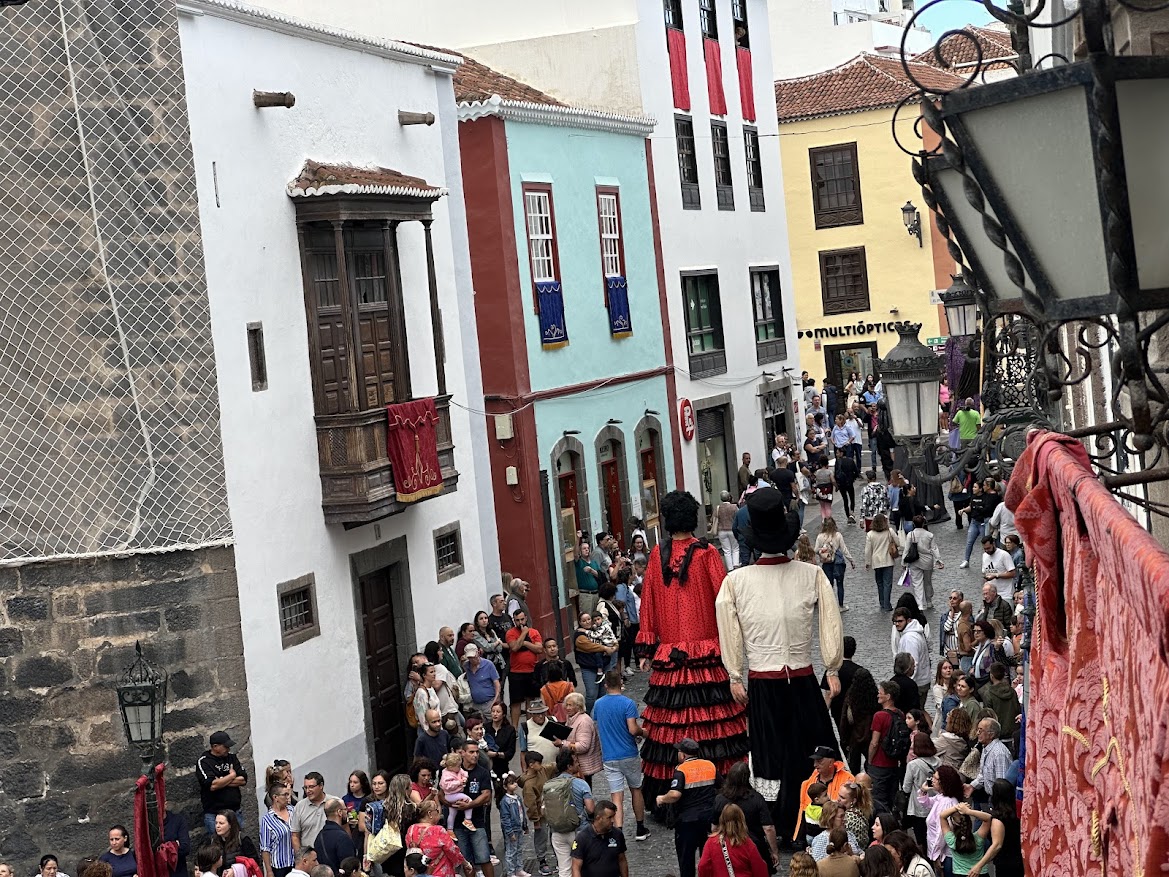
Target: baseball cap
{"type": "Point", "coordinates": [220, 738]}
{"type": "Point", "coordinates": [687, 745]}
{"type": "Point", "coordinates": [823, 752]}
{"type": "Point", "coordinates": [470, 650]}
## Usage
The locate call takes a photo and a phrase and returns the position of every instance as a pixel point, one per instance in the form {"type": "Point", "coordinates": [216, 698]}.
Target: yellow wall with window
{"type": "Point", "coordinates": [900, 273]}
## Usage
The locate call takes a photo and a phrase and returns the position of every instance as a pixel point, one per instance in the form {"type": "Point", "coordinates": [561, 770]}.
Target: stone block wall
{"type": "Point", "coordinates": [67, 630]}
{"type": "Point", "coordinates": [109, 426]}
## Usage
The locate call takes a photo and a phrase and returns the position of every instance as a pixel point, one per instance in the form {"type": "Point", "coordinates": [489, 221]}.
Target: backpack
{"type": "Point", "coordinates": [558, 810]}
{"type": "Point", "coordinates": [895, 743]}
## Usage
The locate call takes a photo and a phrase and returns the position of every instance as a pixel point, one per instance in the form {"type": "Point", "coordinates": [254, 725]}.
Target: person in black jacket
{"type": "Point", "coordinates": [221, 776]}
{"type": "Point", "coordinates": [176, 830]}
{"type": "Point", "coordinates": [333, 842]}
{"type": "Point", "coordinates": [846, 475]}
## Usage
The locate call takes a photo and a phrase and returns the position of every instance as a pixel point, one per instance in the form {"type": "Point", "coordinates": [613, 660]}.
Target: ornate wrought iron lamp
{"type": "Point", "coordinates": [142, 700]}
{"type": "Point", "coordinates": [1050, 189]}
{"type": "Point", "coordinates": [961, 307]}
{"type": "Point", "coordinates": [911, 375]}
{"type": "Point", "coordinates": [911, 216]}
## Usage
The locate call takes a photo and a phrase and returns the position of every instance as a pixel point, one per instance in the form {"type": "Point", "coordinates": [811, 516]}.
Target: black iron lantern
{"type": "Point", "coordinates": [912, 219]}
{"type": "Point", "coordinates": [911, 374]}
{"type": "Point", "coordinates": [142, 700]}
{"type": "Point", "coordinates": [1053, 184]}
{"type": "Point", "coordinates": [961, 306]}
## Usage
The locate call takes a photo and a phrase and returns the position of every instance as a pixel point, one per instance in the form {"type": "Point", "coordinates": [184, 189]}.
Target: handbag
{"type": "Point", "coordinates": [894, 549]}
{"type": "Point", "coordinates": [906, 579]}
{"type": "Point", "coordinates": [462, 690]}
{"type": "Point", "coordinates": [971, 764]}
{"type": "Point", "coordinates": [726, 856]}
{"type": "Point", "coordinates": [384, 844]}
{"type": "Point", "coordinates": [912, 555]}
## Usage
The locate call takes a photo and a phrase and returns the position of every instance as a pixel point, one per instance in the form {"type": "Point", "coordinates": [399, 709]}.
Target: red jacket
{"type": "Point", "coordinates": [745, 859]}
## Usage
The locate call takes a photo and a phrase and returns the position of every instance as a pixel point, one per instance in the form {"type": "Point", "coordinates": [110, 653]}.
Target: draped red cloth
{"type": "Point", "coordinates": [412, 443]}
{"type": "Point", "coordinates": [143, 854]}
{"type": "Point", "coordinates": [746, 82]}
{"type": "Point", "coordinates": [166, 857]}
{"type": "Point", "coordinates": [714, 77]}
{"type": "Point", "coordinates": [679, 76]}
{"type": "Point", "coordinates": [1096, 794]}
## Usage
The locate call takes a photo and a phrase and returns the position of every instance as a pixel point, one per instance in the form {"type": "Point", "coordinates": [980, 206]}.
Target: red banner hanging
{"type": "Point", "coordinates": [1096, 787]}
{"type": "Point", "coordinates": [412, 443]}
{"type": "Point", "coordinates": [714, 78]}
{"type": "Point", "coordinates": [679, 75]}
{"type": "Point", "coordinates": [746, 83]}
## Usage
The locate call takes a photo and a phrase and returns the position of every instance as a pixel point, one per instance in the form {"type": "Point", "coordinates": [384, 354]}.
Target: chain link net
{"type": "Point", "coordinates": [109, 415]}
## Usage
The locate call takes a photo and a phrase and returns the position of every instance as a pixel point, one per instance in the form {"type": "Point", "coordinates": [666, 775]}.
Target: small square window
{"type": "Point", "coordinates": [298, 610]}
{"type": "Point", "coordinates": [448, 552]}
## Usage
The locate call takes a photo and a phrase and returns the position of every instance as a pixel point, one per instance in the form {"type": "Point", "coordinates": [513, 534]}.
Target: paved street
{"type": "Point", "coordinates": [655, 857]}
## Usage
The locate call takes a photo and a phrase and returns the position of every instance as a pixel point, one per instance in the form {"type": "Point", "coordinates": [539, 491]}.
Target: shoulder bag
{"type": "Point", "coordinates": [726, 856]}
{"type": "Point", "coordinates": [894, 549]}
{"type": "Point", "coordinates": [912, 555]}
{"type": "Point", "coordinates": [384, 844]}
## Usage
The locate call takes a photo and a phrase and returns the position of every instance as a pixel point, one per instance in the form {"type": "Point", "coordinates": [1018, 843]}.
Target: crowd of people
{"type": "Point", "coordinates": [913, 774]}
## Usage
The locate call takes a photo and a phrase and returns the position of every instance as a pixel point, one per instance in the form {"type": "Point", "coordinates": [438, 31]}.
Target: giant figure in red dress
{"type": "Point", "coordinates": [689, 690]}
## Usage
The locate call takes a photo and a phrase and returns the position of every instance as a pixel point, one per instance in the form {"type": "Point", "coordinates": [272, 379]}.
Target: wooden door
{"type": "Point", "coordinates": [382, 672]}
{"type": "Point", "coordinates": [611, 485]}
{"type": "Point", "coordinates": [566, 482]}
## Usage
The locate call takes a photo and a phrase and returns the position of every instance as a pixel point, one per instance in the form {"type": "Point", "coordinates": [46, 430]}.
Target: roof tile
{"type": "Point", "coordinates": [866, 82]}
{"type": "Point", "coordinates": [959, 51]}
{"type": "Point", "coordinates": [320, 178]}
{"type": "Point", "coordinates": [475, 81]}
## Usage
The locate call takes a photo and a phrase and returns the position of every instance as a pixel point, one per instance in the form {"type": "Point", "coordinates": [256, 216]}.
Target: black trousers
{"type": "Point", "coordinates": [689, 839]}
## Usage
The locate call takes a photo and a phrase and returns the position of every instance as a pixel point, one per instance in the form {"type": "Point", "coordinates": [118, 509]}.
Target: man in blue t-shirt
{"type": "Point", "coordinates": [615, 716]}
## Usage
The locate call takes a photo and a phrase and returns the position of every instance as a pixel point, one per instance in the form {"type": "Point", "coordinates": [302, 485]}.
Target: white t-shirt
{"type": "Point", "coordinates": [998, 562]}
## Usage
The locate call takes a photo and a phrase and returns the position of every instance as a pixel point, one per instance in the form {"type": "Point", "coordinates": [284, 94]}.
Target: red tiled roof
{"type": "Point", "coordinates": [959, 51]}
{"type": "Point", "coordinates": [866, 82]}
{"type": "Point", "coordinates": [475, 82]}
{"type": "Point", "coordinates": [319, 178]}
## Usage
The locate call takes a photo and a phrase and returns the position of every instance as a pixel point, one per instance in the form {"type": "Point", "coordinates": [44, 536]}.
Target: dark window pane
{"type": "Point", "coordinates": [707, 19]}
{"type": "Point", "coordinates": [844, 281]}
{"type": "Point", "coordinates": [369, 276]}
{"type": "Point", "coordinates": [673, 10]}
{"type": "Point", "coordinates": [836, 185]}
{"type": "Point", "coordinates": [325, 278]}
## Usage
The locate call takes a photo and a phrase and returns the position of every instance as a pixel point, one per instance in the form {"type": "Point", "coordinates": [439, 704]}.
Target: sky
{"type": "Point", "coordinates": [949, 14]}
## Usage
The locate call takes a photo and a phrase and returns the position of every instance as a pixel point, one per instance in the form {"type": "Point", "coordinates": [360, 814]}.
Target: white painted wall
{"type": "Point", "coordinates": [463, 22]}
{"type": "Point", "coordinates": [307, 703]}
{"type": "Point", "coordinates": [805, 40]}
{"type": "Point", "coordinates": [731, 240]}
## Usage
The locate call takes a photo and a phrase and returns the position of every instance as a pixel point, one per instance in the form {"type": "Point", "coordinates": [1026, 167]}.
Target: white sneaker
{"type": "Point", "coordinates": [628, 673]}
{"type": "Point", "coordinates": [964, 564]}
{"type": "Point", "coordinates": [844, 608]}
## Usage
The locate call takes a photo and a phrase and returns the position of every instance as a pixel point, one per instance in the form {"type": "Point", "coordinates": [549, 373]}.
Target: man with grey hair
{"type": "Point", "coordinates": [995, 763]}
{"type": "Point", "coordinates": [333, 842]}
{"type": "Point", "coordinates": [723, 524]}
{"type": "Point", "coordinates": [304, 862]}
{"type": "Point", "coordinates": [321, 871]}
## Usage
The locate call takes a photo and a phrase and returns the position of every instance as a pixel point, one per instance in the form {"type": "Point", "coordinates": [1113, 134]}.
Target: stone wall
{"type": "Point", "coordinates": [67, 629]}
{"type": "Point", "coordinates": [109, 422]}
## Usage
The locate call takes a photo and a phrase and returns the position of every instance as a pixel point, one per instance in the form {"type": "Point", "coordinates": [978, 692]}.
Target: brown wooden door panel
{"type": "Point", "coordinates": [568, 497]}
{"type": "Point", "coordinates": [334, 364]}
{"type": "Point", "coordinates": [382, 671]}
{"type": "Point", "coordinates": [377, 359]}
{"type": "Point", "coordinates": [612, 489]}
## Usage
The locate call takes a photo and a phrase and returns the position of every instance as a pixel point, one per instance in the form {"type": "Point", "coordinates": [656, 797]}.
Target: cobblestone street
{"type": "Point", "coordinates": [655, 857]}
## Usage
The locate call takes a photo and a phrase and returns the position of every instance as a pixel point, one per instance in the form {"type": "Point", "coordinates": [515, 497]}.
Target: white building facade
{"type": "Point", "coordinates": [377, 577]}
{"type": "Point", "coordinates": [808, 36]}
{"type": "Point", "coordinates": [723, 236]}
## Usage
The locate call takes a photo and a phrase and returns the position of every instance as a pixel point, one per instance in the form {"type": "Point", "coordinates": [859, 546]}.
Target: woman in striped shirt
{"type": "Point", "coordinates": [276, 835]}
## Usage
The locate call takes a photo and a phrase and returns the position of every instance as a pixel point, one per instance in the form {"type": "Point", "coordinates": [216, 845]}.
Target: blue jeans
{"type": "Point", "coordinates": [856, 454]}
{"type": "Point", "coordinates": [884, 577]}
{"type": "Point", "coordinates": [835, 573]}
{"type": "Point", "coordinates": [973, 534]}
{"type": "Point", "coordinates": [473, 845]}
{"type": "Point", "coordinates": [209, 821]}
{"type": "Point", "coordinates": [513, 852]}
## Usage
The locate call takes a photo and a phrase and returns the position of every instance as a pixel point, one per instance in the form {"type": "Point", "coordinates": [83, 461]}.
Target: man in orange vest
{"type": "Point", "coordinates": [692, 790]}
{"type": "Point", "coordinates": [830, 771]}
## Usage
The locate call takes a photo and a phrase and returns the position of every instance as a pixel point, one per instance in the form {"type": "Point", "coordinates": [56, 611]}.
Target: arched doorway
{"type": "Point", "coordinates": [614, 482]}
{"type": "Point", "coordinates": [571, 494]}
{"type": "Point", "coordinates": [651, 466]}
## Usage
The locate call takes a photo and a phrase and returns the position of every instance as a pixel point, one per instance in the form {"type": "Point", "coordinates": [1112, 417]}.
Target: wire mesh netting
{"type": "Point", "coordinates": [109, 418]}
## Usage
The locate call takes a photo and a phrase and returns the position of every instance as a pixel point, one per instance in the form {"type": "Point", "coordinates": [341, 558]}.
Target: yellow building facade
{"type": "Point", "coordinates": [856, 268]}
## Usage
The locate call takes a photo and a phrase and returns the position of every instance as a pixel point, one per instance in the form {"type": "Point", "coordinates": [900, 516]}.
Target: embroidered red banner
{"type": "Point", "coordinates": [746, 83]}
{"type": "Point", "coordinates": [1096, 786]}
{"type": "Point", "coordinates": [412, 443]}
{"type": "Point", "coordinates": [679, 75]}
{"type": "Point", "coordinates": [714, 77]}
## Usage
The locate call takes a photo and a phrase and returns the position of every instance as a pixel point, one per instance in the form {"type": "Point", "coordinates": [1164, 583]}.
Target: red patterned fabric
{"type": "Point", "coordinates": [412, 443]}
{"type": "Point", "coordinates": [679, 75]}
{"type": "Point", "coordinates": [714, 77]}
{"type": "Point", "coordinates": [679, 629]}
{"type": "Point", "coordinates": [143, 855]}
{"type": "Point", "coordinates": [746, 82]}
{"type": "Point", "coordinates": [166, 857]}
{"type": "Point", "coordinates": [1096, 794]}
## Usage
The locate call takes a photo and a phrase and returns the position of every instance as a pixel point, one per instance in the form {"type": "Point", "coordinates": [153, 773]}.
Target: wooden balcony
{"type": "Point", "coordinates": [357, 484]}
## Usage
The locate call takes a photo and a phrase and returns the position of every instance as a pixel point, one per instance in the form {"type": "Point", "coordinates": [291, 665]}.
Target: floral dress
{"type": "Point", "coordinates": [438, 846]}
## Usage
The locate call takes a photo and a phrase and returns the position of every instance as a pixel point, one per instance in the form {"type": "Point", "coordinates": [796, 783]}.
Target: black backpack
{"type": "Point", "coordinates": [896, 741]}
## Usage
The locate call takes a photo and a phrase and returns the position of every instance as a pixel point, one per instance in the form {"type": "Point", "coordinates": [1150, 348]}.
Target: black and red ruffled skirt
{"type": "Point", "coordinates": [689, 696]}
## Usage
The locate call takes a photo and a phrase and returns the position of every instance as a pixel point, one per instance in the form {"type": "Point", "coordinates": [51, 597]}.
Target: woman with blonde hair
{"type": "Point", "coordinates": [804, 550]}
{"type": "Point", "coordinates": [802, 865]}
{"type": "Point", "coordinates": [832, 554]}
{"type": "Point", "coordinates": [831, 817]}
{"type": "Point", "coordinates": [729, 851]}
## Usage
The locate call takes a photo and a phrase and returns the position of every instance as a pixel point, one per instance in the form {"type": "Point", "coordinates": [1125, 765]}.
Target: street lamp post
{"type": "Point", "coordinates": [912, 219]}
{"type": "Point", "coordinates": [142, 701]}
{"type": "Point", "coordinates": [961, 306]}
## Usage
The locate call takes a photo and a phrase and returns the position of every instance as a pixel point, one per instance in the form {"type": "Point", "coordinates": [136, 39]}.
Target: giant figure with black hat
{"type": "Point", "coordinates": [689, 693]}
{"type": "Point", "coordinates": [765, 618]}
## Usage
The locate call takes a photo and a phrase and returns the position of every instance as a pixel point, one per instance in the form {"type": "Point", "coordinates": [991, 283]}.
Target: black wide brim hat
{"type": "Point", "coordinates": [771, 528]}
